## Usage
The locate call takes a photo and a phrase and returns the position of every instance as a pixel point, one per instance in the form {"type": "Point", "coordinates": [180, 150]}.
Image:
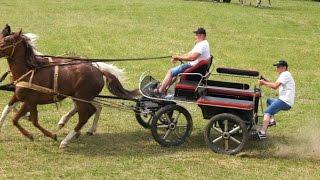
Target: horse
{"type": "Point", "coordinates": [257, 5]}
{"type": "Point", "coordinates": [66, 117]}
{"type": "Point", "coordinates": [81, 81]}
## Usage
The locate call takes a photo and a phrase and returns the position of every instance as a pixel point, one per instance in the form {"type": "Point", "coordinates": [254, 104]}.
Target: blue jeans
{"type": "Point", "coordinates": [275, 105]}
{"type": "Point", "coordinates": [179, 69]}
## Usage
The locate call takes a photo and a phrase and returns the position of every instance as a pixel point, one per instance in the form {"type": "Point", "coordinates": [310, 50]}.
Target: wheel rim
{"type": "Point", "coordinates": [226, 135]}
{"type": "Point", "coordinates": [172, 126]}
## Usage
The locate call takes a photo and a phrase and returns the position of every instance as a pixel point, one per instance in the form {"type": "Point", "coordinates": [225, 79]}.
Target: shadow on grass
{"type": "Point", "coordinates": [139, 143]}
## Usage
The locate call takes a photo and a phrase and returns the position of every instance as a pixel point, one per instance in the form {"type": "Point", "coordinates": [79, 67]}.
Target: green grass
{"type": "Point", "coordinates": [241, 37]}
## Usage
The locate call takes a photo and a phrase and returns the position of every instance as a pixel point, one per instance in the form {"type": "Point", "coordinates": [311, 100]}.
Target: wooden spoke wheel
{"type": "Point", "coordinates": [226, 133]}
{"type": "Point", "coordinates": [171, 125]}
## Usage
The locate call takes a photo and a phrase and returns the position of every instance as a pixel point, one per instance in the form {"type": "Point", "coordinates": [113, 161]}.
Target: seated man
{"type": "Point", "coordinates": [286, 86]}
{"type": "Point", "coordinates": [201, 51]}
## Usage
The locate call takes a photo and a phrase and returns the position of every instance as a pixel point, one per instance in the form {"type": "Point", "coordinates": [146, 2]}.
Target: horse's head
{"type": "Point", "coordinates": [9, 42]}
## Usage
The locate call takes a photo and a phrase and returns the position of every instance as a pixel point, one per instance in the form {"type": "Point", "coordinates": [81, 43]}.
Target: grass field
{"type": "Point", "coordinates": [240, 37]}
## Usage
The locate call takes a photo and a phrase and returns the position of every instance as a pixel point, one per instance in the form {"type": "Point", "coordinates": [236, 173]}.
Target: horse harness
{"type": "Point", "coordinates": [30, 85]}
{"type": "Point", "coordinates": [13, 45]}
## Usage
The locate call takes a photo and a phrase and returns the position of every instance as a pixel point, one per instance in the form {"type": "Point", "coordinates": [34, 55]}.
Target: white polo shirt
{"type": "Point", "coordinates": [203, 49]}
{"type": "Point", "coordinates": [287, 88]}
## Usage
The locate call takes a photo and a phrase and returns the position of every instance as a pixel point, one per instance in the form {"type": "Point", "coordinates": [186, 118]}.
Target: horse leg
{"type": "Point", "coordinates": [34, 120]}
{"type": "Point", "coordinates": [270, 3]}
{"type": "Point", "coordinates": [23, 110]}
{"type": "Point", "coordinates": [94, 126]}
{"type": "Point", "coordinates": [258, 3]}
{"type": "Point", "coordinates": [65, 118]}
{"type": "Point", "coordinates": [85, 110]}
{"type": "Point", "coordinates": [11, 105]}
{"type": "Point", "coordinates": [26, 116]}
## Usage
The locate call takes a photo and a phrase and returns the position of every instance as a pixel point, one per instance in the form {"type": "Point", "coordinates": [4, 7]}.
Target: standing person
{"type": "Point", "coordinates": [286, 86]}
{"type": "Point", "coordinates": [201, 51]}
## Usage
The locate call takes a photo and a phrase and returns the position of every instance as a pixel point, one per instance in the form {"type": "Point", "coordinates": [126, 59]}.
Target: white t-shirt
{"type": "Point", "coordinates": [203, 49]}
{"type": "Point", "coordinates": [287, 88]}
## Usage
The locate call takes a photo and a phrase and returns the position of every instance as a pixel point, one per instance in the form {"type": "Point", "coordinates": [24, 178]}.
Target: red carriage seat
{"type": "Point", "coordinates": [202, 68]}
{"type": "Point", "coordinates": [190, 82]}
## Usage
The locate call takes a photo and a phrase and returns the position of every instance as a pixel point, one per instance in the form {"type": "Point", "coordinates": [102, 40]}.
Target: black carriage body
{"type": "Point", "coordinates": [230, 107]}
{"type": "Point", "coordinates": [215, 97]}
{"type": "Point", "coordinates": [228, 97]}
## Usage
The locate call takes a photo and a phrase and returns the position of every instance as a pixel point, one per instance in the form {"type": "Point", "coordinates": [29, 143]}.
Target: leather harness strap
{"type": "Point", "coordinates": [55, 83]}
{"type": "Point", "coordinates": [38, 88]}
{"type": "Point", "coordinates": [50, 59]}
{"type": "Point", "coordinates": [55, 80]}
{"type": "Point", "coordinates": [35, 87]}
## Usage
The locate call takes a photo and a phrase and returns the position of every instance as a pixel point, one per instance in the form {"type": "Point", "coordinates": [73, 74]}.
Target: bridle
{"type": "Point", "coordinates": [13, 45]}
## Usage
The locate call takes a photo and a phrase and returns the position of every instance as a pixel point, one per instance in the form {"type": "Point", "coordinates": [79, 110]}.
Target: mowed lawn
{"type": "Point", "coordinates": [240, 37]}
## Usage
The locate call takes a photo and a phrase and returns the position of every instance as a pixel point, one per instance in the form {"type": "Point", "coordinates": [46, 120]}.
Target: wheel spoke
{"type": "Point", "coordinates": [168, 118]}
{"type": "Point", "coordinates": [176, 119]}
{"type": "Point", "coordinates": [167, 134]}
{"type": "Point", "coordinates": [162, 126]}
{"type": "Point", "coordinates": [162, 119]}
{"type": "Point", "coordinates": [177, 134]}
{"type": "Point", "coordinates": [226, 144]}
{"type": "Point", "coordinates": [181, 126]}
{"type": "Point", "coordinates": [235, 140]}
{"type": "Point", "coordinates": [217, 129]}
{"type": "Point", "coordinates": [217, 139]}
{"type": "Point", "coordinates": [235, 130]}
{"type": "Point", "coordinates": [225, 125]}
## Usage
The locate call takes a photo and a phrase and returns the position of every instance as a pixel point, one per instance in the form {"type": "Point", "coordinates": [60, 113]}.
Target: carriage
{"type": "Point", "coordinates": [231, 108]}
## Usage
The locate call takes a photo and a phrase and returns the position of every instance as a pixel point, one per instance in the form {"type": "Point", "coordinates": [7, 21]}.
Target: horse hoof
{"type": "Point", "coordinates": [60, 126]}
{"type": "Point", "coordinates": [30, 136]}
{"type": "Point", "coordinates": [77, 135]}
{"type": "Point", "coordinates": [90, 133]}
{"type": "Point", "coordinates": [55, 137]}
{"type": "Point", "coordinates": [62, 146]}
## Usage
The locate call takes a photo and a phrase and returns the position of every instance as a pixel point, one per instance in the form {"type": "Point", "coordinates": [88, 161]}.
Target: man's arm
{"type": "Point", "coordinates": [186, 57]}
{"type": "Point", "coordinates": [273, 85]}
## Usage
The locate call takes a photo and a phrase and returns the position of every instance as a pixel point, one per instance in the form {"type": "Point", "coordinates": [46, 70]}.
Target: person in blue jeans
{"type": "Point", "coordinates": [286, 85]}
{"type": "Point", "coordinates": [200, 51]}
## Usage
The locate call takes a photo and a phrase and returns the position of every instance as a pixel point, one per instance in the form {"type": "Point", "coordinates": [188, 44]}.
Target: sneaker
{"type": "Point", "coordinates": [273, 123]}
{"type": "Point", "coordinates": [261, 135]}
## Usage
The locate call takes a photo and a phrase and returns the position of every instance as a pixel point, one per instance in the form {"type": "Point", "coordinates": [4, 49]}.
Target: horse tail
{"type": "Point", "coordinates": [112, 75]}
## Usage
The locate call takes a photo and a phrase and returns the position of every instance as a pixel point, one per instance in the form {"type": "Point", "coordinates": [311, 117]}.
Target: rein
{"type": "Point", "coordinates": [105, 60]}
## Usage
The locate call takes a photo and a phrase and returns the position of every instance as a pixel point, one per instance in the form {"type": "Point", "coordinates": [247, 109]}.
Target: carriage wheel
{"type": "Point", "coordinates": [171, 125]}
{"type": "Point", "coordinates": [143, 119]}
{"type": "Point", "coordinates": [226, 133]}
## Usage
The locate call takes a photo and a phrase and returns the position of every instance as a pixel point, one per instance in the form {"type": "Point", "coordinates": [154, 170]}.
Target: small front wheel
{"type": "Point", "coordinates": [171, 125]}
{"type": "Point", "coordinates": [226, 133]}
{"type": "Point", "coordinates": [143, 119]}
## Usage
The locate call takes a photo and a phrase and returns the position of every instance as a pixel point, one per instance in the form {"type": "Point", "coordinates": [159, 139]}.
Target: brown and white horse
{"type": "Point", "coordinates": [79, 80]}
{"type": "Point", "coordinates": [32, 38]}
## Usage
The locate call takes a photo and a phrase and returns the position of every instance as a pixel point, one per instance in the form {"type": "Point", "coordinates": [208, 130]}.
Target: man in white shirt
{"type": "Point", "coordinates": [201, 51]}
{"type": "Point", "coordinates": [286, 86]}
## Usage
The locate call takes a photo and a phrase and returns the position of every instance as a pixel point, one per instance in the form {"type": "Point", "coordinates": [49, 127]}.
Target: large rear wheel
{"type": "Point", "coordinates": [226, 133]}
{"type": "Point", "coordinates": [171, 125]}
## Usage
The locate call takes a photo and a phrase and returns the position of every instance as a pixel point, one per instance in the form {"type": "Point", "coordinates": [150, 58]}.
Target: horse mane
{"type": "Point", "coordinates": [30, 56]}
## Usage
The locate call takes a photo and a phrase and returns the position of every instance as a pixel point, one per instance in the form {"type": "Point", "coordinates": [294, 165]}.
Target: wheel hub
{"type": "Point", "coordinates": [226, 135]}
{"type": "Point", "coordinates": [172, 126]}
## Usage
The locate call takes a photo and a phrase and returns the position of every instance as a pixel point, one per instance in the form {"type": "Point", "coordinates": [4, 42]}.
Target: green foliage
{"type": "Point", "coordinates": [240, 37]}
